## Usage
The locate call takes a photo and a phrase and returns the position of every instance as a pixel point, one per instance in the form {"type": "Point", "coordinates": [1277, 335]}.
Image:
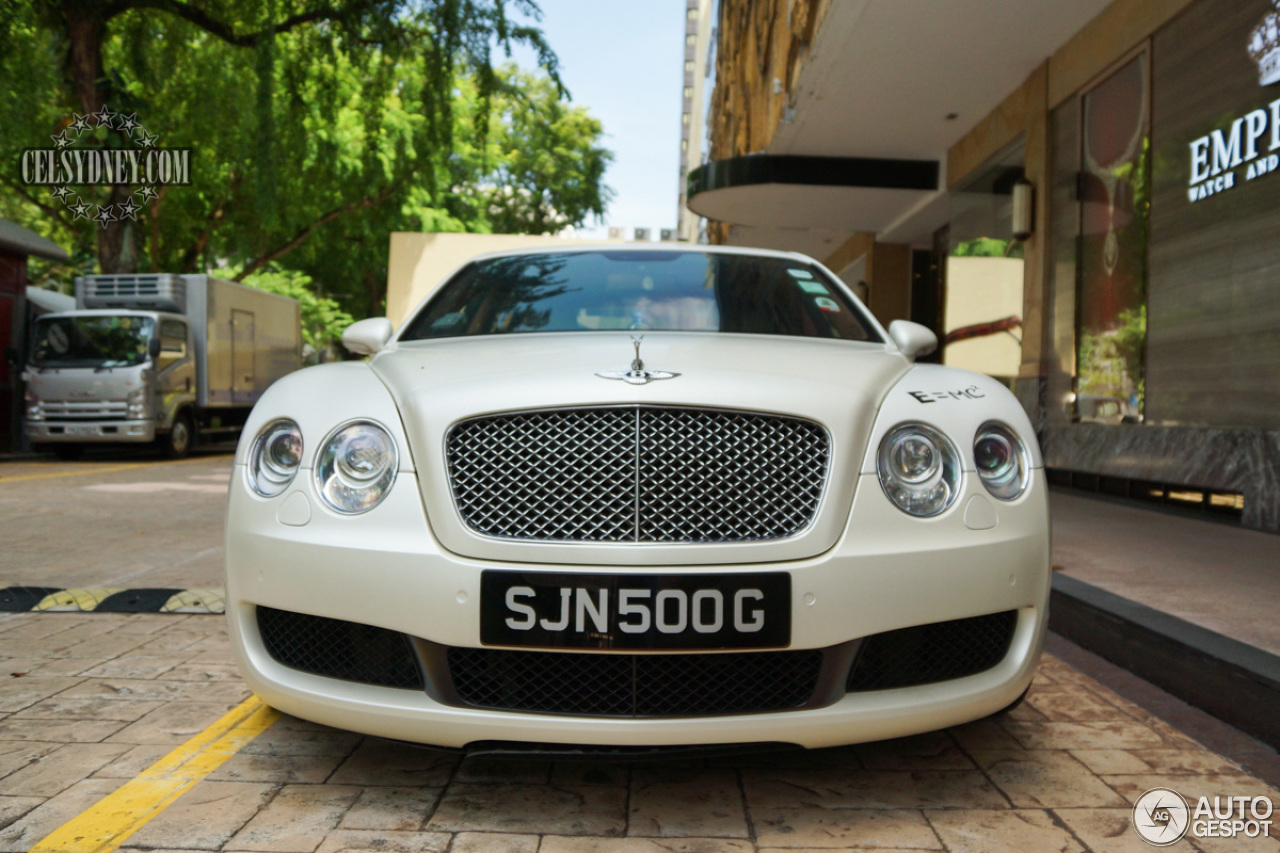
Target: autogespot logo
{"type": "Point", "coordinates": [1162, 817]}
{"type": "Point", "coordinates": [72, 168]}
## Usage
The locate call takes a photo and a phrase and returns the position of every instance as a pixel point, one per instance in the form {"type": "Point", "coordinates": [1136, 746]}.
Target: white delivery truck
{"type": "Point", "coordinates": [158, 358]}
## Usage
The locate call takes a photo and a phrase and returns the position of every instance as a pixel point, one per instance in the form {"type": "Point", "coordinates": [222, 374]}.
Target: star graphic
{"type": "Point", "coordinates": [80, 209]}
{"type": "Point", "coordinates": [61, 194]}
{"type": "Point", "coordinates": [128, 123]}
{"type": "Point", "coordinates": [128, 209]}
{"type": "Point", "coordinates": [104, 116]}
{"type": "Point", "coordinates": [60, 141]}
{"type": "Point", "coordinates": [146, 139]}
{"type": "Point", "coordinates": [104, 215]}
{"type": "Point", "coordinates": [147, 193]}
{"type": "Point", "coordinates": [80, 125]}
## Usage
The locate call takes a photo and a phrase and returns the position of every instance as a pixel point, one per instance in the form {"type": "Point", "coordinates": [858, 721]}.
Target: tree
{"type": "Point", "coordinates": [547, 168]}
{"type": "Point", "coordinates": [356, 136]}
{"type": "Point", "coordinates": [369, 37]}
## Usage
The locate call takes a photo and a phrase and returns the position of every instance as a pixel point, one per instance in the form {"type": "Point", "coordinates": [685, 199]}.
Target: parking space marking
{"type": "Point", "coordinates": [131, 466]}
{"type": "Point", "coordinates": [108, 823]}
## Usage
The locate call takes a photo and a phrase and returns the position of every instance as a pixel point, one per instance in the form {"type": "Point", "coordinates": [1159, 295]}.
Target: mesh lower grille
{"type": "Point", "coordinates": [637, 474]}
{"type": "Point", "coordinates": [634, 685]}
{"type": "Point", "coordinates": [936, 652]}
{"type": "Point", "coordinates": [338, 649]}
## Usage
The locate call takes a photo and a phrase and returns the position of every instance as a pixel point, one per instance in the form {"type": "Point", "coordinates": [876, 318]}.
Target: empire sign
{"type": "Point", "coordinates": [1216, 155]}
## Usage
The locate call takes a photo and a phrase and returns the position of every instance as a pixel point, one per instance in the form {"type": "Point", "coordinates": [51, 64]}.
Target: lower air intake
{"type": "Point", "coordinates": [936, 652]}
{"type": "Point", "coordinates": [337, 649]}
{"type": "Point", "coordinates": [616, 685]}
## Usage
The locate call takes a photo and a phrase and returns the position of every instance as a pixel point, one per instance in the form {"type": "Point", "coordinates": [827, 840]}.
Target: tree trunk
{"type": "Point", "coordinates": [85, 32]}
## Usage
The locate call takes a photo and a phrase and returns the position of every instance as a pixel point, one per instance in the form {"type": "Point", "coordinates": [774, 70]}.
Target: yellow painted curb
{"type": "Point", "coordinates": [108, 823]}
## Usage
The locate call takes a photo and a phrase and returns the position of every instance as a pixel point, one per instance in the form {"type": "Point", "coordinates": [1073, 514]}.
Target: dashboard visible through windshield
{"type": "Point", "coordinates": [641, 291]}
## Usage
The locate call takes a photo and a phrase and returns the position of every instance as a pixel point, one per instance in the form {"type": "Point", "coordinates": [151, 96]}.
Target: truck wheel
{"type": "Point", "coordinates": [68, 452]}
{"type": "Point", "coordinates": [178, 440]}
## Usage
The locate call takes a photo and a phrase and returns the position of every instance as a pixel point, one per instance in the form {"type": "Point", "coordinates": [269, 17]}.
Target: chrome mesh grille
{"type": "Point", "coordinates": [637, 474]}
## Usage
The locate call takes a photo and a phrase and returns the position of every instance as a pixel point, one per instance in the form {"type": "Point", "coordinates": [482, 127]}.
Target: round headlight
{"type": "Point", "coordinates": [275, 457]}
{"type": "Point", "coordinates": [1000, 458]}
{"type": "Point", "coordinates": [919, 469]}
{"type": "Point", "coordinates": [356, 467]}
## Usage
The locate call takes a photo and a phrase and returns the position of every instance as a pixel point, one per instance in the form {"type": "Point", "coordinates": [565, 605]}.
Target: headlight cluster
{"type": "Point", "coordinates": [35, 412]}
{"type": "Point", "coordinates": [275, 457]}
{"type": "Point", "coordinates": [354, 469]}
{"type": "Point", "coordinates": [137, 404]}
{"type": "Point", "coordinates": [919, 468]}
{"type": "Point", "coordinates": [1001, 461]}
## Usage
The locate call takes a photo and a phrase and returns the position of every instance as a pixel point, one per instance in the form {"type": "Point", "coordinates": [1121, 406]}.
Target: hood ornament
{"type": "Point", "coordinates": [637, 375]}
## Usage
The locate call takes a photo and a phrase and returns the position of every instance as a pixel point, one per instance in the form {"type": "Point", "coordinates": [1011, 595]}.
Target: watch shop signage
{"type": "Point", "coordinates": [1252, 139]}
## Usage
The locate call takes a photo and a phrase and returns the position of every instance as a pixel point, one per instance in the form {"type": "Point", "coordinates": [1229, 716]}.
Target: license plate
{"type": "Point", "coordinates": [581, 611]}
{"type": "Point", "coordinates": [80, 430]}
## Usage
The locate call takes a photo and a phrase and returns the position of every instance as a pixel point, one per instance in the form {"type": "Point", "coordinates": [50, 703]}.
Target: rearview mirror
{"type": "Point", "coordinates": [367, 337]}
{"type": "Point", "coordinates": [913, 339]}
{"type": "Point", "coordinates": [153, 349]}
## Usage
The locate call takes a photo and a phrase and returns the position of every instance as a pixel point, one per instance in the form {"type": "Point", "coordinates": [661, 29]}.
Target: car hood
{"type": "Point", "coordinates": [838, 384]}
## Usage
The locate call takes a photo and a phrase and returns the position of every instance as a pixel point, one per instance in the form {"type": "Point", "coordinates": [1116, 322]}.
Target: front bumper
{"type": "Point", "coordinates": [385, 569]}
{"type": "Point", "coordinates": [50, 432]}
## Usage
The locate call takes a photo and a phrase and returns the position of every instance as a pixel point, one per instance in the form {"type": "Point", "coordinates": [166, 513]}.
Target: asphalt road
{"type": "Point", "coordinates": [138, 728]}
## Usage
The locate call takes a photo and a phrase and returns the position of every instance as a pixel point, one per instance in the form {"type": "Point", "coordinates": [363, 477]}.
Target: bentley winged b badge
{"type": "Point", "coordinates": [637, 375]}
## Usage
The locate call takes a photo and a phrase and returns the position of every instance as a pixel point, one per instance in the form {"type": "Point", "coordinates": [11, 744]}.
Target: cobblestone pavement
{"type": "Point", "coordinates": [88, 701]}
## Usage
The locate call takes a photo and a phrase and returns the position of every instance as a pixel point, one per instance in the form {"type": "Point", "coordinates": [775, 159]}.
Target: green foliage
{"type": "Point", "coordinates": [987, 247]}
{"type": "Point", "coordinates": [317, 129]}
{"type": "Point", "coordinates": [323, 320]}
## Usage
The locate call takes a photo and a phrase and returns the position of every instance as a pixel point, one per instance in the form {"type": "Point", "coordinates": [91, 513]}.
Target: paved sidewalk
{"type": "Point", "coordinates": [88, 701]}
{"type": "Point", "coordinates": [1214, 575]}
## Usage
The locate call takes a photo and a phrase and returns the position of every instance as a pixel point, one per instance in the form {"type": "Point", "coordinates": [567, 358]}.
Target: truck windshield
{"type": "Point", "coordinates": [96, 341]}
{"type": "Point", "coordinates": [640, 290]}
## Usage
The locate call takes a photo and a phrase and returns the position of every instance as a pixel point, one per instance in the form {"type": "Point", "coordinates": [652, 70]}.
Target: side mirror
{"type": "Point", "coordinates": [154, 348]}
{"type": "Point", "coordinates": [367, 337]}
{"type": "Point", "coordinates": [913, 339]}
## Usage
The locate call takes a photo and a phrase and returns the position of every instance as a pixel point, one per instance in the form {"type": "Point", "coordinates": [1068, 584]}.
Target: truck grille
{"type": "Point", "coordinates": [637, 474]}
{"type": "Point", "coordinates": [111, 409]}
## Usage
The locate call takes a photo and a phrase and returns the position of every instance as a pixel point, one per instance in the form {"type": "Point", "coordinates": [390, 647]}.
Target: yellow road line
{"type": "Point", "coordinates": [109, 470]}
{"type": "Point", "coordinates": [107, 824]}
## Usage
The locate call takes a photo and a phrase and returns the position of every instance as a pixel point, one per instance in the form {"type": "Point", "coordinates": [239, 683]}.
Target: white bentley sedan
{"type": "Point", "coordinates": [638, 497]}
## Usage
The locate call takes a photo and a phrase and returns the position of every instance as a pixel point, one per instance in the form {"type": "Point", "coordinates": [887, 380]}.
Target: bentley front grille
{"type": "Point", "coordinates": [637, 474]}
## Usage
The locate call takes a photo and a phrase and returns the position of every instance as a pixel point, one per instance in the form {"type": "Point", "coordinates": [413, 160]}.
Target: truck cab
{"type": "Point", "coordinates": [157, 358]}
{"type": "Point", "coordinates": [110, 375]}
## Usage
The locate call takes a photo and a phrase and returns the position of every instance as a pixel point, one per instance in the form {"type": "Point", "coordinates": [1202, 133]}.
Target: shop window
{"type": "Point", "coordinates": [981, 286]}
{"type": "Point", "coordinates": [1111, 315]}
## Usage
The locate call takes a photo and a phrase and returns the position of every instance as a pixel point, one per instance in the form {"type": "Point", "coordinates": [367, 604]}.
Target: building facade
{"type": "Point", "coordinates": [699, 41]}
{"type": "Point", "coordinates": [17, 244]}
{"type": "Point", "coordinates": [1136, 312]}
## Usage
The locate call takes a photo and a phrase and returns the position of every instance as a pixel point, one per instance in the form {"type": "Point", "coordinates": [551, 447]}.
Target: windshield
{"type": "Point", "coordinates": [110, 341]}
{"type": "Point", "coordinates": [640, 290]}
